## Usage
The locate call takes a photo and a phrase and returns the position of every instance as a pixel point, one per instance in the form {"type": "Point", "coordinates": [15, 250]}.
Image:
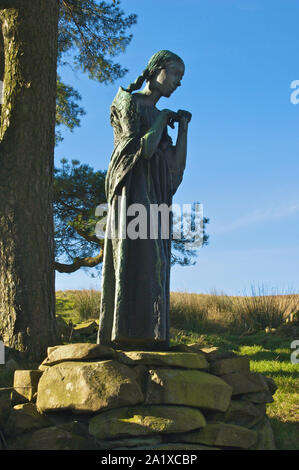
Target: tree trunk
{"type": "Point", "coordinates": [27, 276]}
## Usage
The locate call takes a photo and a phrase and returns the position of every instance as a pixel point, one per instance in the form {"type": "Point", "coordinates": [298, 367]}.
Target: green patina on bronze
{"type": "Point", "coordinates": [145, 168]}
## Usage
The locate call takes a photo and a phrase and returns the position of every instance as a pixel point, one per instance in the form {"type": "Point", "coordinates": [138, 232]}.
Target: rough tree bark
{"type": "Point", "coordinates": [27, 276]}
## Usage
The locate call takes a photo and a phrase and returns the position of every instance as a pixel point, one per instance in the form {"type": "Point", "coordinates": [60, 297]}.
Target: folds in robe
{"type": "Point", "coordinates": [134, 311]}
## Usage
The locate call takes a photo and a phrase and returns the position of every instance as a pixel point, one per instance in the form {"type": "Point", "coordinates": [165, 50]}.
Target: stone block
{"type": "Point", "coordinates": [77, 352]}
{"type": "Point", "coordinates": [86, 328]}
{"type": "Point", "coordinates": [145, 420]}
{"type": "Point", "coordinates": [221, 435]}
{"type": "Point", "coordinates": [188, 348]}
{"type": "Point", "coordinates": [187, 387]}
{"type": "Point", "coordinates": [70, 436]}
{"type": "Point", "coordinates": [257, 397]}
{"type": "Point", "coordinates": [25, 385]}
{"type": "Point", "coordinates": [266, 439]}
{"type": "Point", "coordinates": [246, 382]}
{"type": "Point", "coordinates": [240, 413]}
{"type": "Point", "coordinates": [24, 418]}
{"type": "Point", "coordinates": [87, 387]}
{"type": "Point", "coordinates": [215, 354]}
{"type": "Point", "coordinates": [166, 359]}
{"type": "Point", "coordinates": [229, 365]}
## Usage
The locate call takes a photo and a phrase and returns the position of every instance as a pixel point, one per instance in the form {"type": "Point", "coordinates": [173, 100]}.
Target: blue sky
{"type": "Point", "coordinates": [241, 57]}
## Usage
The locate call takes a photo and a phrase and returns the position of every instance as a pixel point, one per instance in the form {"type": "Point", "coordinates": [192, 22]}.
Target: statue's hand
{"type": "Point", "coordinates": [184, 116]}
{"type": "Point", "coordinates": [170, 117]}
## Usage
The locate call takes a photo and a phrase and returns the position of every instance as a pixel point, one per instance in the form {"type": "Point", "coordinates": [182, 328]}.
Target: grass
{"type": "Point", "coordinates": [78, 305]}
{"type": "Point", "coordinates": [284, 411]}
{"type": "Point", "coordinates": [264, 308]}
{"type": "Point", "coordinates": [220, 312]}
{"type": "Point", "coordinates": [87, 304]}
{"type": "Point", "coordinates": [65, 304]}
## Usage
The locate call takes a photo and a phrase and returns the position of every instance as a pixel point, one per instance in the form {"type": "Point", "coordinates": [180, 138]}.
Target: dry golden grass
{"type": "Point", "coordinates": [199, 312]}
{"type": "Point", "coordinates": [236, 313]}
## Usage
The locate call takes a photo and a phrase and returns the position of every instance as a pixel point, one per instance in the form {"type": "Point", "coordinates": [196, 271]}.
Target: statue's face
{"type": "Point", "coordinates": [169, 78]}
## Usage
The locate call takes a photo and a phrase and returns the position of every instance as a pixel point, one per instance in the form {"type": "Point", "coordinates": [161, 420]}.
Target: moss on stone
{"type": "Point", "coordinates": [88, 387]}
{"type": "Point", "coordinates": [170, 359]}
{"type": "Point", "coordinates": [187, 387]}
{"type": "Point", "coordinates": [144, 420]}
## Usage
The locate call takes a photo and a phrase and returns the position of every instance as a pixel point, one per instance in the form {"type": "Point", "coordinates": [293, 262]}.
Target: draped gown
{"type": "Point", "coordinates": [134, 310]}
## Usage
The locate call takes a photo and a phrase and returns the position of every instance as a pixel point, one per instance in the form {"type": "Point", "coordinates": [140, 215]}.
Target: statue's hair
{"type": "Point", "coordinates": [156, 62]}
{"type": "Point", "coordinates": [138, 82]}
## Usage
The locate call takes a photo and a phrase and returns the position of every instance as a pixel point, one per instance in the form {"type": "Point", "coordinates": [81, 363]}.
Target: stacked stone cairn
{"type": "Point", "coordinates": [86, 396]}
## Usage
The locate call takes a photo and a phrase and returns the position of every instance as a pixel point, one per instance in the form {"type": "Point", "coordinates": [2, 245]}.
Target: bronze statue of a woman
{"type": "Point", "coordinates": [145, 169]}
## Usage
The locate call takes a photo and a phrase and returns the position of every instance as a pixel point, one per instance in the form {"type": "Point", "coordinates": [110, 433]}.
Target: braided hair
{"type": "Point", "coordinates": [156, 62]}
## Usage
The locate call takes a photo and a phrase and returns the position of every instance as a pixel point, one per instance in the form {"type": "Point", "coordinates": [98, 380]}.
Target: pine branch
{"type": "Point", "coordinates": [89, 262]}
{"type": "Point", "coordinates": [87, 236]}
{"type": "Point", "coordinates": [67, 6]}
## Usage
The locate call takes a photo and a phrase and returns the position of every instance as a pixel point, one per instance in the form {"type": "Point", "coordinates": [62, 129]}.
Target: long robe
{"type": "Point", "coordinates": [134, 311]}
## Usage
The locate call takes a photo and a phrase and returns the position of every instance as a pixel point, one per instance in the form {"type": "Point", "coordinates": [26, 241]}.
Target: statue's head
{"type": "Point", "coordinates": [163, 72]}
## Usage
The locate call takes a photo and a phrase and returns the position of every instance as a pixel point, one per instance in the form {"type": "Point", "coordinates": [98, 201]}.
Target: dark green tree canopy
{"type": "Point", "coordinates": [94, 32]}
{"type": "Point", "coordinates": [78, 190]}
{"type": "Point", "coordinates": [68, 111]}
{"type": "Point", "coordinates": [184, 250]}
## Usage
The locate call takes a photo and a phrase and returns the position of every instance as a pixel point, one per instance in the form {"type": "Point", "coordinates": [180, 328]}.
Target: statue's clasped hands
{"type": "Point", "coordinates": [182, 117]}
